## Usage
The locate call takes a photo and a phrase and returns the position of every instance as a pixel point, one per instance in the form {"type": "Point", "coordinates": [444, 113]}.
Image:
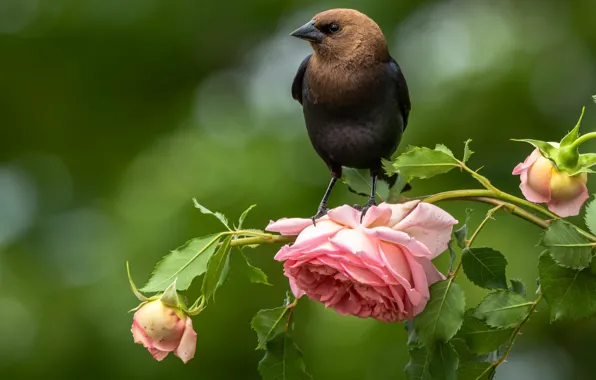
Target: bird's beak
{"type": "Point", "coordinates": [308, 32]}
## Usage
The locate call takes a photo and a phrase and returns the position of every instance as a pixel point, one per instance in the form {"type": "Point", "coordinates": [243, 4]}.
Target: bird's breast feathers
{"type": "Point", "coordinates": [340, 84]}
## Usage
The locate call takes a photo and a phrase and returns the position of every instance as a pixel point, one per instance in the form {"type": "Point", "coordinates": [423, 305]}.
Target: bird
{"type": "Point", "coordinates": [354, 97]}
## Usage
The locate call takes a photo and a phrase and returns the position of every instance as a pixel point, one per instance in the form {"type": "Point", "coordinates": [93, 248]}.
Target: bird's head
{"type": "Point", "coordinates": [344, 35]}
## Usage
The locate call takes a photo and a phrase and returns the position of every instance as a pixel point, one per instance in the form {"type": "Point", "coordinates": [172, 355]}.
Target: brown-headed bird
{"type": "Point", "coordinates": [354, 96]}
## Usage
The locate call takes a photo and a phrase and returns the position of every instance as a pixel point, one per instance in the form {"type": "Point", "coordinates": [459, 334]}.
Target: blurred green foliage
{"type": "Point", "coordinates": [114, 115]}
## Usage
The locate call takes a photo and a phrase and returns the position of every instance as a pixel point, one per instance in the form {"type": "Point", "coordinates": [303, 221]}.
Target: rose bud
{"type": "Point", "coordinates": [380, 267]}
{"type": "Point", "coordinates": [163, 329]}
{"type": "Point", "coordinates": [541, 182]}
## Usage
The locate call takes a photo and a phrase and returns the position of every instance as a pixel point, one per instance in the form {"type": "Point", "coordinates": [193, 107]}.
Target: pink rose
{"type": "Point", "coordinates": [380, 268]}
{"type": "Point", "coordinates": [162, 329]}
{"type": "Point", "coordinates": [541, 182]}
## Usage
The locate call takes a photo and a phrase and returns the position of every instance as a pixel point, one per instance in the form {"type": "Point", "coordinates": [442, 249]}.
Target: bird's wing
{"type": "Point", "coordinates": [403, 96]}
{"type": "Point", "coordinates": [298, 79]}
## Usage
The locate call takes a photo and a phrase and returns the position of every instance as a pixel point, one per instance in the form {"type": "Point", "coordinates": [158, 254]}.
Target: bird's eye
{"type": "Point", "coordinates": [333, 28]}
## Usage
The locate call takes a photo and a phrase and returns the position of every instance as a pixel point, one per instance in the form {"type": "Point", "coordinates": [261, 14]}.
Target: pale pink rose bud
{"type": "Point", "coordinates": [380, 267]}
{"type": "Point", "coordinates": [541, 182]}
{"type": "Point", "coordinates": [163, 329]}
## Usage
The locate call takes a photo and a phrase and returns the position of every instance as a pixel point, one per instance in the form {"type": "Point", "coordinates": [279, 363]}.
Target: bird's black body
{"type": "Point", "coordinates": [362, 127]}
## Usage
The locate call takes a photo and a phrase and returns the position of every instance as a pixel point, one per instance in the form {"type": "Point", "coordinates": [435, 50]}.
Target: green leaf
{"type": "Point", "coordinates": [480, 337]}
{"type": "Point", "coordinates": [255, 275]}
{"type": "Point", "coordinates": [184, 263]}
{"type": "Point", "coordinates": [444, 149]}
{"type": "Point", "coordinates": [443, 314]}
{"type": "Point", "coordinates": [424, 163]}
{"type": "Point", "coordinates": [418, 366]}
{"type": "Point", "coordinates": [574, 133]}
{"type": "Point", "coordinates": [571, 294]}
{"type": "Point", "coordinates": [566, 245]}
{"type": "Point", "coordinates": [517, 286]}
{"type": "Point", "coordinates": [268, 323]}
{"type": "Point", "coordinates": [221, 217]}
{"type": "Point", "coordinates": [243, 216]}
{"type": "Point", "coordinates": [461, 234]}
{"type": "Point", "coordinates": [476, 371]}
{"type": "Point", "coordinates": [412, 334]}
{"type": "Point", "coordinates": [467, 151]}
{"type": "Point", "coordinates": [503, 309]}
{"type": "Point", "coordinates": [485, 267]}
{"type": "Point", "coordinates": [360, 182]}
{"type": "Point", "coordinates": [217, 269]}
{"type": "Point", "coordinates": [283, 360]}
{"type": "Point", "coordinates": [463, 351]}
{"type": "Point", "coordinates": [224, 273]}
{"type": "Point", "coordinates": [545, 147]}
{"type": "Point", "coordinates": [443, 362]}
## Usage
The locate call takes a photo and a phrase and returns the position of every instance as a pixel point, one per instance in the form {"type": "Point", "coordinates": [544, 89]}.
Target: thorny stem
{"type": "Point", "coordinates": [512, 205]}
{"type": "Point", "coordinates": [506, 196]}
{"type": "Point", "coordinates": [484, 196]}
{"type": "Point", "coordinates": [513, 209]}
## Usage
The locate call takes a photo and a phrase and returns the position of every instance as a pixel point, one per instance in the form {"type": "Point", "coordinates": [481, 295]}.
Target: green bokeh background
{"type": "Point", "coordinates": [114, 115]}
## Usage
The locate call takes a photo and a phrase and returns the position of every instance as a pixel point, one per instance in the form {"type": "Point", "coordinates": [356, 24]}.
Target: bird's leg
{"type": "Point", "coordinates": [372, 200]}
{"type": "Point", "coordinates": [322, 211]}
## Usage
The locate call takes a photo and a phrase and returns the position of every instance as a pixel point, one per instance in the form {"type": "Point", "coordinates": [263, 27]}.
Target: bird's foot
{"type": "Point", "coordinates": [364, 209]}
{"type": "Point", "coordinates": [321, 212]}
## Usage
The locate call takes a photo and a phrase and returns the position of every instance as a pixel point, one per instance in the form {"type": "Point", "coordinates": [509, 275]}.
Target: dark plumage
{"type": "Point", "coordinates": [354, 95]}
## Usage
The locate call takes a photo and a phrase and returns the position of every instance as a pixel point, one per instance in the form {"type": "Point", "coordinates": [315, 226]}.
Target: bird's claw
{"type": "Point", "coordinates": [321, 212]}
{"type": "Point", "coordinates": [364, 209]}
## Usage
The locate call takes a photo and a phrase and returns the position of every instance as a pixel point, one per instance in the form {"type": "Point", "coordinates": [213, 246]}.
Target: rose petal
{"type": "Point", "coordinates": [348, 305]}
{"type": "Point", "coordinates": [289, 226]}
{"type": "Point", "coordinates": [321, 231]}
{"type": "Point", "coordinates": [415, 247]}
{"type": "Point", "coordinates": [529, 161]}
{"type": "Point", "coordinates": [535, 182]}
{"type": "Point", "coordinates": [394, 259]}
{"type": "Point", "coordinates": [296, 291]}
{"type": "Point", "coordinates": [157, 354]}
{"type": "Point", "coordinates": [356, 243]}
{"type": "Point", "coordinates": [415, 285]}
{"type": "Point", "coordinates": [429, 225]}
{"type": "Point", "coordinates": [376, 216]}
{"type": "Point", "coordinates": [139, 334]}
{"type": "Point", "coordinates": [345, 215]}
{"type": "Point", "coordinates": [432, 273]}
{"type": "Point", "coordinates": [188, 344]}
{"type": "Point", "coordinates": [162, 326]}
{"type": "Point", "coordinates": [571, 207]}
{"type": "Point", "coordinates": [399, 211]}
{"type": "Point", "coordinates": [362, 275]}
{"type": "Point", "coordinates": [398, 294]}
{"type": "Point", "coordinates": [419, 296]}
